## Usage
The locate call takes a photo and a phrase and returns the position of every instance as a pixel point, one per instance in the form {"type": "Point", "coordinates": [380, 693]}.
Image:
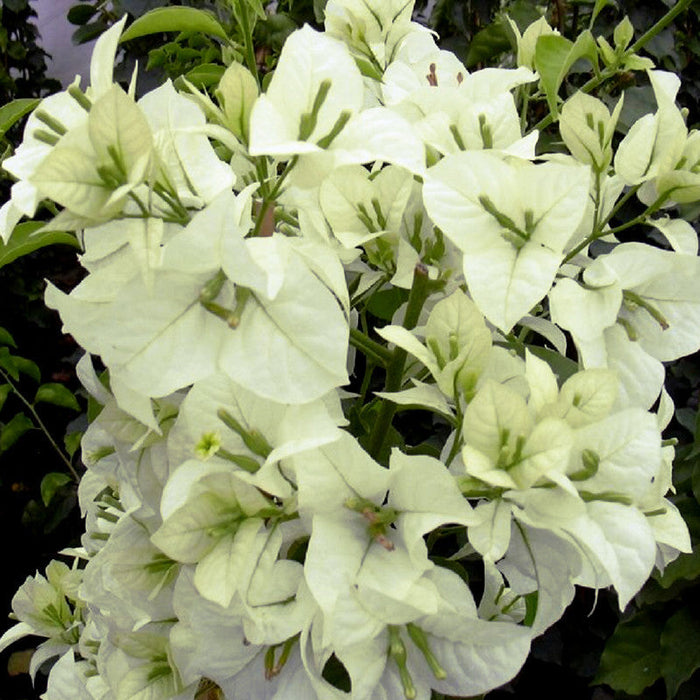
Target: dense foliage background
{"type": "Point", "coordinates": [651, 651]}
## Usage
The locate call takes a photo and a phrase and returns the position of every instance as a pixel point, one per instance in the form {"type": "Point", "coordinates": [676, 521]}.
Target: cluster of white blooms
{"type": "Point", "coordinates": [238, 534]}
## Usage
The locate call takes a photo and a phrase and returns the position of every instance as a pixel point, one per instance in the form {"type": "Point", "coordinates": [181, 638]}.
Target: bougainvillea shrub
{"type": "Point", "coordinates": [273, 275]}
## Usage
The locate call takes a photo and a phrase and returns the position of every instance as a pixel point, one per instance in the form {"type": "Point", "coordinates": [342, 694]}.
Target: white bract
{"type": "Point", "coordinates": [256, 262]}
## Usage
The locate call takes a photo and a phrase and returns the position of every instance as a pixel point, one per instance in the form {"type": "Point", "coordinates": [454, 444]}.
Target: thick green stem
{"type": "Point", "coordinates": [248, 40]}
{"type": "Point", "coordinates": [420, 291]}
{"type": "Point", "coordinates": [374, 351]}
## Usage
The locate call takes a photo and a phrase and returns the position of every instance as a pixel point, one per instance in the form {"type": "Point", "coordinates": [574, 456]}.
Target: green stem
{"type": "Point", "coordinates": [248, 40]}
{"type": "Point", "coordinates": [600, 232]}
{"type": "Point", "coordinates": [374, 351]}
{"type": "Point", "coordinates": [594, 82]}
{"type": "Point", "coordinates": [420, 291]}
{"type": "Point", "coordinates": [41, 425]}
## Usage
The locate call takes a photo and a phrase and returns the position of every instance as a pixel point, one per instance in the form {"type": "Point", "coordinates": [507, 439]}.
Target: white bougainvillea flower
{"type": "Point", "coordinates": [56, 116]}
{"type": "Point", "coordinates": [290, 345]}
{"type": "Point", "coordinates": [420, 63]}
{"type": "Point", "coordinates": [315, 90]}
{"type": "Point", "coordinates": [216, 520]}
{"type": "Point", "coordinates": [366, 556]}
{"type": "Point", "coordinates": [587, 128]}
{"type": "Point", "coordinates": [359, 206]}
{"type": "Point", "coordinates": [260, 432]}
{"type": "Point", "coordinates": [92, 170]}
{"type": "Point", "coordinates": [456, 344]}
{"type": "Point", "coordinates": [636, 302]}
{"type": "Point", "coordinates": [654, 144]}
{"type": "Point", "coordinates": [373, 30]}
{"type": "Point", "coordinates": [449, 650]}
{"type": "Point", "coordinates": [186, 159]}
{"type": "Point", "coordinates": [512, 223]}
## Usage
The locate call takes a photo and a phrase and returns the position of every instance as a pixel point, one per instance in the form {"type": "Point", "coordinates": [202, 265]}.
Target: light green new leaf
{"type": "Point", "coordinates": [631, 660]}
{"type": "Point", "coordinates": [51, 483]}
{"type": "Point", "coordinates": [236, 94]}
{"type": "Point", "coordinates": [58, 395]}
{"type": "Point", "coordinates": [13, 111]}
{"type": "Point", "coordinates": [175, 19]}
{"type": "Point", "coordinates": [27, 237]}
{"type": "Point", "coordinates": [554, 56]}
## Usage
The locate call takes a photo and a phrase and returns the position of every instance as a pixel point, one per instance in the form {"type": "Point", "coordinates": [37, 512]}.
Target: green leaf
{"type": "Point", "coordinates": [81, 14]}
{"type": "Point", "coordinates": [562, 366]}
{"type": "Point", "coordinates": [50, 484]}
{"type": "Point", "coordinates": [320, 10]}
{"type": "Point", "coordinates": [12, 431]}
{"type": "Point", "coordinates": [631, 660]}
{"type": "Point", "coordinates": [88, 32]}
{"type": "Point", "coordinates": [7, 362]}
{"type": "Point", "coordinates": [206, 75]}
{"type": "Point", "coordinates": [6, 338]}
{"type": "Point", "coordinates": [5, 390]}
{"type": "Point", "coordinates": [175, 19]}
{"type": "Point", "coordinates": [25, 240]}
{"type": "Point", "coordinates": [14, 111]}
{"type": "Point", "coordinates": [554, 57]}
{"type": "Point", "coordinates": [72, 442]}
{"type": "Point", "coordinates": [31, 369]}
{"type": "Point", "coordinates": [686, 566]}
{"type": "Point", "coordinates": [58, 395]}
{"type": "Point", "coordinates": [680, 651]}
{"type": "Point", "coordinates": [488, 43]}
{"type": "Point", "coordinates": [599, 6]}
{"type": "Point", "coordinates": [384, 304]}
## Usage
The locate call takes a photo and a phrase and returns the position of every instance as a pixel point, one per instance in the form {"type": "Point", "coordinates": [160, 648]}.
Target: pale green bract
{"type": "Point", "coordinates": [255, 521]}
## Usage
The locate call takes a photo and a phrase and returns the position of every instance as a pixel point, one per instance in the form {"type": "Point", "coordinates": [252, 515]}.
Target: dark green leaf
{"type": "Point", "coordinates": [58, 395]}
{"type": "Point", "coordinates": [25, 366]}
{"type": "Point", "coordinates": [81, 14]}
{"type": "Point", "coordinates": [631, 660]}
{"type": "Point", "coordinates": [13, 431]}
{"type": "Point", "coordinates": [13, 111]}
{"type": "Point", "coordinates": [384, 304]}
{"type": "Point", "coordinates": [7, 362]}
{"type": "Point", "coordinates": [25, 240]}
{"type": "Point", "coordinates": [320, 10]}
{"type": "Point", "coordinates": [562, 366]}
{"type": "Point", "coordinates": [50, 484]}
{"type": "Point", "coordinates": [88, 32]}
{"type": "Point", "coordinates": [487, 44]}
{"type": "Point", "coordinates": [175, 19]}
{"type": "Point", "coordinates": [687, 566]}
{"type": "Point", "coordinates": [206, 75]}
{"type": "Point", "coordinates": [5, 390]}
{"type": "Point", "coordinates": [680, 650]}
{"type": "Point", "coordinates": [6, 338]}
